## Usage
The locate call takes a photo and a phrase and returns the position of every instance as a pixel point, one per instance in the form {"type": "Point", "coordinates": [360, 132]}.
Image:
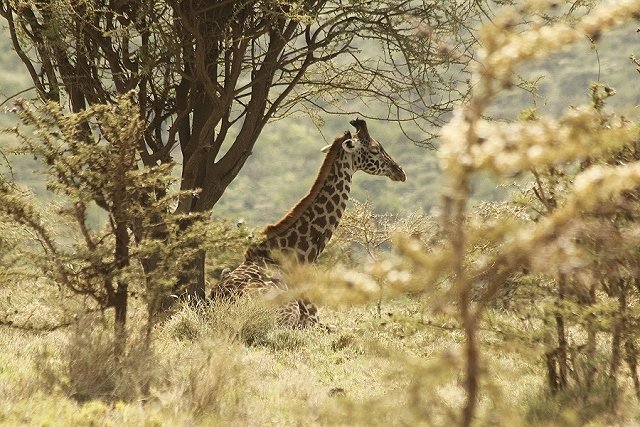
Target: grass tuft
{"type": "Point", "coordinates": [85, 366]}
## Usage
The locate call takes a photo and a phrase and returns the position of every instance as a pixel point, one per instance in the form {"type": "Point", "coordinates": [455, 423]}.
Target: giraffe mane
{"type": "Point", "coordinates": [292, 216]}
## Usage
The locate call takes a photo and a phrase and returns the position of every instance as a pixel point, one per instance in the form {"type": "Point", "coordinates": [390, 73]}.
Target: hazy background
{"type": "Point", "coordinates": [285, 159]}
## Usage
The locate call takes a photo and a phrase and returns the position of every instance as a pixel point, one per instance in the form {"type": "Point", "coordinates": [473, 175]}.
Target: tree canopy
{"type": "Point", "coordinates": [207, 73]}
{"type": "Point", "coordinates": [208, 76]}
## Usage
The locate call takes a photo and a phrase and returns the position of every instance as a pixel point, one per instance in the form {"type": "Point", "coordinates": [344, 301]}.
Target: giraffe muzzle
{"type": "Point", "coordinates": [398, 174]}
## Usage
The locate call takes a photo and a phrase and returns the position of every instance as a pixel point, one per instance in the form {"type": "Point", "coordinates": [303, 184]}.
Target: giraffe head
{"type": "Point", "coordinates": [368, 154]}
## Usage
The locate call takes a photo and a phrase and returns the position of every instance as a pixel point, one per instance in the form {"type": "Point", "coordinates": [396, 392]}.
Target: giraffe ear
{"type": "Point", "coordinates": [350, 145]}
{"type": "Point", "coordinates": [326, 148]}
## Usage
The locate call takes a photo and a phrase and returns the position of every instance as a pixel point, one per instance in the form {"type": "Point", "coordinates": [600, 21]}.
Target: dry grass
{"type": "Point", "coordinates": [232, 365]}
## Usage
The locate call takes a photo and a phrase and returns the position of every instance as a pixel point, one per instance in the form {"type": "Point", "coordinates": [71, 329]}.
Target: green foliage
{"type": "Point", "coordinates": [61, 269]}
{"type": "Point", "coordinates": [69, 252]}
{"type": "Point", "coordinates": [90, 161]}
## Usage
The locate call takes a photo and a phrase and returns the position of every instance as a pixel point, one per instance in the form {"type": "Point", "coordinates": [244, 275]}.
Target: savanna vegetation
{"type": "Point", "coordinates": [498, 285]}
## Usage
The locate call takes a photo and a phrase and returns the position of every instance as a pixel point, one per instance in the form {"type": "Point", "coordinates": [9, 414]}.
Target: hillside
{"type": "Point", "coordinates": [260, 194]}
{"type": "Point", "coordinates": [287, 156]}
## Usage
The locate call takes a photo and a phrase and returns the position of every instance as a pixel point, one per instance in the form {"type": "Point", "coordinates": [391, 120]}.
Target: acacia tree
{"type": "Point", "coordinates": [209, 75]}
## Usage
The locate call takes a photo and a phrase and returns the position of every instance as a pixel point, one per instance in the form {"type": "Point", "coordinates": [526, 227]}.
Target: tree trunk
{"type": "Point", "coordinates": [561, 351]}
{"type": "Point", "coordinates": [191, 279]}
{"type": "Point", "coordinates": [120, 299]}
{"type": "Point", "coordinates": [616, 343]}
{"type": "Point", "coordinates": [552, 372]}
{"type": "Point", "coordinates": [472, 359]}
{"type": "Point", "coordinates": [196, 287]}
{"type": "Point", "coordinates": [120, 222]}
{"type": "Point", "coordinates": [631, 354]}
{"type": "Point", "coordinates": [592, 339]}
{"type": "Point", "coordinates": [191, 282]}
{"type": "Point", "coordinates": [120, 325]}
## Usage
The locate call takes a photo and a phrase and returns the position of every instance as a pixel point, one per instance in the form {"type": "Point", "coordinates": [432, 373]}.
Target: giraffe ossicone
{"type": "Point", "coordinates": [304, 231]}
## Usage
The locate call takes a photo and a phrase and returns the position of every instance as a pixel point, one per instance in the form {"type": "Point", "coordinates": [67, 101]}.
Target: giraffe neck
{"type": "Point", "coordinates": [305, 236]}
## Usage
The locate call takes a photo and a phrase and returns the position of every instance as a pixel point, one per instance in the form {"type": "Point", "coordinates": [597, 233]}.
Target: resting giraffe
{"type": "Point", "coordinates": [305, 230]}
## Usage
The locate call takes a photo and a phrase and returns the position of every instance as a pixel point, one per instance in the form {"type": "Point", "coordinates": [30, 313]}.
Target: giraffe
{"type": "Point", "coordinates": [305, 230]}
